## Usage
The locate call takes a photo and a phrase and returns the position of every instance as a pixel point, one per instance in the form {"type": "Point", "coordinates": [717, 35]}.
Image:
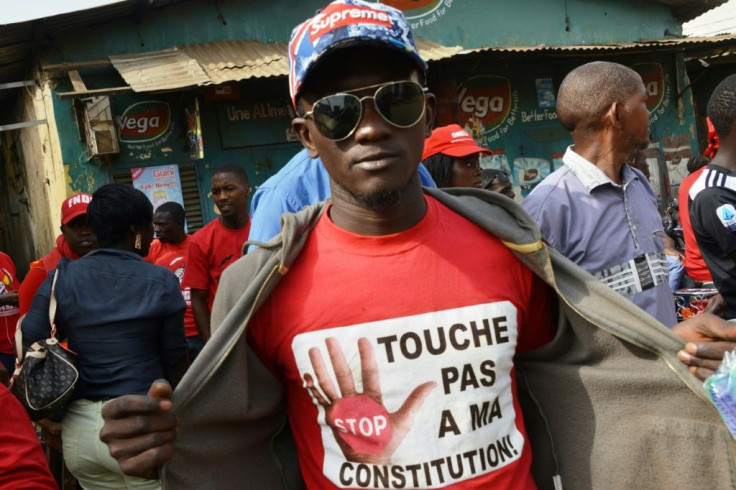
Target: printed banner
{"type": "Point", "coordinates": [430, 403]}
{"type": "Point", "coordinates": [161, 184]}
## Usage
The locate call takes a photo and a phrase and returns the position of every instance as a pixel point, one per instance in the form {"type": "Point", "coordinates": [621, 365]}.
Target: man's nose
{"type": "Point", "coordinates": [371, 125]}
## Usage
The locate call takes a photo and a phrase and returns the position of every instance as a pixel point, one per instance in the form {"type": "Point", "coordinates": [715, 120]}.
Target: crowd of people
{"type": "Point", "coordinates": [379, 332]}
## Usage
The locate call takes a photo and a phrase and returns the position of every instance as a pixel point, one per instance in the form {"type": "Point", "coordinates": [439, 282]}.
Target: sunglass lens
{"type": "Point", "coordinates": [401, 103]}
{"type": "Point", "coordinates": [337, 115]}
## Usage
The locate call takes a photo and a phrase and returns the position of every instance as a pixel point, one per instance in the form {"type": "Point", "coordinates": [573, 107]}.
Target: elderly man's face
{"type": "Point", "coordinates": [635, 119]}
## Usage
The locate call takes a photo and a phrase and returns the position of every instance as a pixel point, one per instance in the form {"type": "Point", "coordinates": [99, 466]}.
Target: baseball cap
{"type": "Point", "coordinates": [347, 23]}
{"type": "Point", "coordinates": [74, 206]}
{"type": "Point", "coordinates": [453, 141]}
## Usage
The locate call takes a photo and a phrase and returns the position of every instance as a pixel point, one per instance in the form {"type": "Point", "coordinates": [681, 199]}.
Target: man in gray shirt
{"type": "Point", "coordinates": [597, 211]}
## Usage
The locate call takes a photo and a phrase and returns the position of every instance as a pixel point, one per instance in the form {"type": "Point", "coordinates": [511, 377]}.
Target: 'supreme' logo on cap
{"type": "Point", "coordinates": [337, 16]}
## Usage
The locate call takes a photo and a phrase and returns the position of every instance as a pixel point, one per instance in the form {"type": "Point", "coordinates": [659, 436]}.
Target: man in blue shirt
{"type": "Point", "coordinates": [597, 211]}
{"type": "Point", "coordinates": [301, 182]}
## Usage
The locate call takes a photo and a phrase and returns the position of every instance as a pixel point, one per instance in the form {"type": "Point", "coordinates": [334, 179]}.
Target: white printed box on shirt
{"type": "Point", "coordinates": [464, 428]}
{"type": "Point", "coordinates": [727, 214]}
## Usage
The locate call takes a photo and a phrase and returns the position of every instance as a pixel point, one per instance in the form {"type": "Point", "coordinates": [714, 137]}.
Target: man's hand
{"type": "Point", "coordinates": [716, 304]}
{"type": "Point", "coordinates": [201, 313]}
{"type": "Point", "coordinates": [9, 298]}
{"type": "Point", "coordinates": [377, 441]}
{"type": "Point", "coordinates": [139, 430]}
{"type": "Point", "coordinates": [708, 338]}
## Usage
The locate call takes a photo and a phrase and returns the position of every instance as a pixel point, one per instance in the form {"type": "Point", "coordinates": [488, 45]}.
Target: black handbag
{"type": "Point", "coordinates": [45, 380]}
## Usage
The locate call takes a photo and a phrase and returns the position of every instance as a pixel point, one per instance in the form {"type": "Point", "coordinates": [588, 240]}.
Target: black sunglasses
{"type": "Point", "coordinates": [399, 103]}
{"type": "Point", "coordinates": [498, 175]}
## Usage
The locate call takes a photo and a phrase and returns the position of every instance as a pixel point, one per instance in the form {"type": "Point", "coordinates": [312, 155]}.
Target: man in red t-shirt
{"type": "Point", "coordinates": [76, 240]}
{"type": "Point", "coordinates": [169, 249]}
{"type": "Point", "coordinates": [9, 312]}
{"type": "Point", "coordinates": [219, 243]}
{"type": "Point", "coordinates": [393, 332]}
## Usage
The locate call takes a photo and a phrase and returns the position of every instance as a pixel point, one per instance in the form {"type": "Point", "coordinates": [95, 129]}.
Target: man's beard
{"type": "Point", "coordinates": [382, 199]}
{"type": "Point", "coordinates": [378, 201]}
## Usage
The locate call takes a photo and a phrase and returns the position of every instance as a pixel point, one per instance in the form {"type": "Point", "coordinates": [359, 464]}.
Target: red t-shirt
{"type": "Point", "coordinates": [211, 250]}
{"type": "Point", "coordinates": [22, 462]}
{"type": "Point", "coordinates": [8, 314]}
{"type": "Point", "coordinates": [694, 264]}
{"type": "Point", "coordinates": [158, 249]}
{"type": "Point", "coordinates": [176, 260]}
{"type": "Point", "coordinates": [427, 322]}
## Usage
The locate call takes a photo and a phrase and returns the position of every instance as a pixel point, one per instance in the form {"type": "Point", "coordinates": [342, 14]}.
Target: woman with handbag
{"type": "Point", "coordinates": [122, 316]}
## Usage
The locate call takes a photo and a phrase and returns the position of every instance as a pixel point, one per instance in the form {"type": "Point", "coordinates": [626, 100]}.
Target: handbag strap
{"type": "Point", "coordinates": [52, 321]}
{"type": "Point", "coordinates": [52, 305]}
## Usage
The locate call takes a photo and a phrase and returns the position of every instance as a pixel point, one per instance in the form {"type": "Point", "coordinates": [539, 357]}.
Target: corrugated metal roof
{"type": "Point", "coordinates": [230, 61]}
{"type": "Point", "coordinates": [685, 10]}
{"type": "Point", "coordinates": [432, 51]}
{"type": "Point", "coordinates": [221, 62]}
{"type": "Point", "coordinates": [674, 44]}
{"type": "Point", "coordinates": [159, 70]}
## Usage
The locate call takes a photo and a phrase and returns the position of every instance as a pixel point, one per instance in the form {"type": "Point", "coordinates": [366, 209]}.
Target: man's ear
{"type": "Point", "coordinates": [613, 115]}
{"type": "Point", "coordinates": [429, 113]}
{"type": "Point", "coordinates": [302, 130]}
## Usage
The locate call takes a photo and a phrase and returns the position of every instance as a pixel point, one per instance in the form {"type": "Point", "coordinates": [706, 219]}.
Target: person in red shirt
{"type": "Point", "coordinates": [9, 312]}
{"type": "Point", "coordinates": [76, 240]}
{"type": "Point", "coordinates": [169, 250]}
{"type": "Point", "coordinates": [695, 266]}
{"type": "Point", "coordinates": [219, 243]}
{"type": "Point", "coordinates": [22, 462]}
{"type": "Point", "coordinates": [171, 237]}
{"type": "Point", "coordinates": [453, 157]}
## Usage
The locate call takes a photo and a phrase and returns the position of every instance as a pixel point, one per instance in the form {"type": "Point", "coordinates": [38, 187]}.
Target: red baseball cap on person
{"type": "Point", "coordinates": [75, 206]}
{"type": "Point", "coordinates": [452, 141]}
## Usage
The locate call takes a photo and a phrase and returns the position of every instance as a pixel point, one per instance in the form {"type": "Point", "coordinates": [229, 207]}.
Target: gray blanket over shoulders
{"type": "Point", "coordinates": [606, 403]}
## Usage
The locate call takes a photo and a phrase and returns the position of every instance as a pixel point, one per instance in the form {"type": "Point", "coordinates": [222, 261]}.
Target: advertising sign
{"type": "Point", "coordinates": [161, 184]}
{"type": "Point", "coordinates": [421, 13]}
{"type": "Point", "coordinates": [653, 78]}
{"type": "Point", "coordinates": [248, 123]}
{"type": "Point", "coordinates": [146, 130]}
{"type": "Point", "coordinates": [545, 92]}
{"type": "Point", "coordinates": [487, 107]}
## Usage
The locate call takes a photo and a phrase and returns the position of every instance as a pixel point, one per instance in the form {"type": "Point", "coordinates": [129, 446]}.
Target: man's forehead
{"type": "Point", "coordinates": [162, 216]}
{"type": "Point", "coordinates": [225, 178]}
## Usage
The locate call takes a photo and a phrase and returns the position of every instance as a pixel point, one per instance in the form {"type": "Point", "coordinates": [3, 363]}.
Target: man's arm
{"type": "Point", "coordinates": [173, 341]}
{"type": "Point", "coordinates": [267, 207]}
{"type": "Point", "coordinates": [9, 298]}
{"type": "Point", "coordinates": [28, 288]}
{"type": "Point", "coordinates": [201, 313]}
{"type": "Point", "coordinates": [197, 278]}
